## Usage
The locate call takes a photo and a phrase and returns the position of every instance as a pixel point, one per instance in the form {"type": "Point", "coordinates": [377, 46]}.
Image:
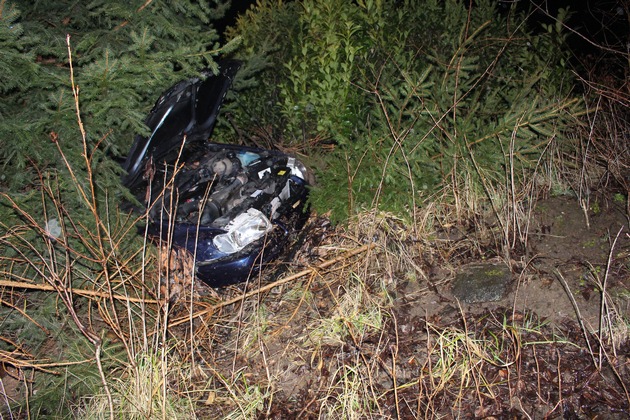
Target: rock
{"type": "Point", "coordinates": [482, 283]}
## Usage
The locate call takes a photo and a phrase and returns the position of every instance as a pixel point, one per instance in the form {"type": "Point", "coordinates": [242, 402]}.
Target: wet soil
{"type": "Point", "coordinates": [560, 349]}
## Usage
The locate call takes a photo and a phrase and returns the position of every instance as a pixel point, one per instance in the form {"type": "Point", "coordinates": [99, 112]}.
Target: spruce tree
{"type": "Point", "coordinates": [398, 102]}
{"type": "Point", "coordinates": [60, 223]}
{"type": "Point", "coordinates": [124, 54]}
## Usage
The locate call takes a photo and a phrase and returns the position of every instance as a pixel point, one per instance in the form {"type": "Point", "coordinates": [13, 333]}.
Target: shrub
{"type": "Point", "coordinates": [123, 52]}
{"type": "Point", "coordinates": [392, 111]}
{"type": "Point", "coordinates": [64, 123]}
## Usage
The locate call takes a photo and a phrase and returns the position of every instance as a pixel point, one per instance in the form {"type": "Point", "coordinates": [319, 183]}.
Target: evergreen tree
{"type": "Point", "coordinates": [59, 185]}
{"type": "Point", "coordinates": [124, 54]}
{"type": "Point", "coordinates": [400, 101]}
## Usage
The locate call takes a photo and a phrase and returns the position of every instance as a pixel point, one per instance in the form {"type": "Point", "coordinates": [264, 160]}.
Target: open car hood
{"type": "Point", "coordinates": [187, 111]}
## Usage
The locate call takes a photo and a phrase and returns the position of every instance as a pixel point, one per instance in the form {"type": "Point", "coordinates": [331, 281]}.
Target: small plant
{"type": "Point", "coordinates": [252, 336]}
{"type": "Point", "coordinates": [455, 363]}
{"type": "Point", "coordinates": [250, 400]}
{"type": "Point", "coordinates": [357, 314]}
{"type": "Point", "coordinates": [349, 397]}
{"type": "Point", "coordinates": [138, 394]}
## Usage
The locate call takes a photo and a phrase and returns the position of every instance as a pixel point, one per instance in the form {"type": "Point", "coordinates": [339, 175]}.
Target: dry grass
{"type": "Point", "coordinates": [331, 342]}
{"type": "Point", "coordinates": [138, 393]}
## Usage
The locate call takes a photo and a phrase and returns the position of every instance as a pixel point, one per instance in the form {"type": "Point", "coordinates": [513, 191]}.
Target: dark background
{"type": "Point", "coordinates": [593, 23]}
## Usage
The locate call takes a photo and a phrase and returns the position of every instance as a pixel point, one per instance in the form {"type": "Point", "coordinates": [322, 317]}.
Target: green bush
{"type": "Point", "coordinates": [60, 225]}
{"type": "Point", "coordinates": [395, 101]}
{"type": "Point", "coordinates": [124, 55]}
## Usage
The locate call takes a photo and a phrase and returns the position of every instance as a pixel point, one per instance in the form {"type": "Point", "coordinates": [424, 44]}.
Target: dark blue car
{"type": "Point", "coordinates": [233, 207]}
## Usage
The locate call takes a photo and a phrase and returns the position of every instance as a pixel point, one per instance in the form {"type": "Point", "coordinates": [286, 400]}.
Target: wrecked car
{"type": "Point", "coordinates": [233, 208]}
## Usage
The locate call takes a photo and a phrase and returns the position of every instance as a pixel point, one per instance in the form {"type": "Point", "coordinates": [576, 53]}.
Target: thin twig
{"type": "Point", "coordinates": [94, 339]}
{"type": "Point", "coordinates": [577, 312]}
{"type": "Point", "coordinates": [277, 283]}
{"type": "Point", "coordinates": [79, 292]}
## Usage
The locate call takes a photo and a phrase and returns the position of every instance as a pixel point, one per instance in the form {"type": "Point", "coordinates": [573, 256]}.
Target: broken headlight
{"type": "Point", "coordinates": [242, 230]}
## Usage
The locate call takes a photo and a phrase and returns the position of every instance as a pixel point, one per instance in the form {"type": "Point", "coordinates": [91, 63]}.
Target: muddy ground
{"type": "Point", "coordinates": [543, 356]}
{"type": "Point", "coordinates": [544, 347]}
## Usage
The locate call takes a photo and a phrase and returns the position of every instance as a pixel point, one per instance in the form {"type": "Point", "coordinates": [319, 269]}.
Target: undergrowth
{"type": "Point", "coordinates": [391, 112]}
{"type": "Point", "coordinates": [77, 280]}
{"type": "Point", "coordinates": [88, 331]}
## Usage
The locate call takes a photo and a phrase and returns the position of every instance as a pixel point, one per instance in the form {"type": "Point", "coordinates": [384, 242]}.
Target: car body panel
{"type": "Point", "coordinates": [190, 108]}
{"type": "Point", "coordinates": [234, 208]}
